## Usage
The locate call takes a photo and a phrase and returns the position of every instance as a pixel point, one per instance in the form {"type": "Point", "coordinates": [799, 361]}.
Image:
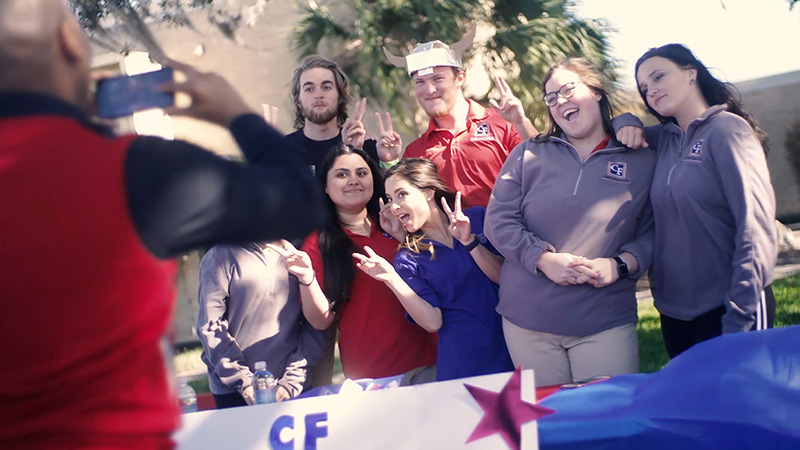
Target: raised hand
{"type": "Point", "coordinates": [510, 108]}
{"type": "Point", "coordinates": [297, 261]}
{"type": "Point", "coordinates": [460, 227]}
{"type": "Point", "coordinates": [390, 223]}
{"type": "Point", "coordinates": [374, 265]}
{"type": "Point", "coordinates": [353, 131]}
{"type": "Point", "coordinates": [91, 101]}
{"type": "Point", "coordinates": [213, 98]}
{"type": "Point", "coordinates": [632, 137]}
{"type": "Point", "coordinates": [565, 268]}
{"type": "Point", "coordinates": [390, 145]}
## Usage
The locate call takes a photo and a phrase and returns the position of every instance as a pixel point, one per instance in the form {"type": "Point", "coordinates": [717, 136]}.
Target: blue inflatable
{"type": "Point", "coordinates": [738, 391]}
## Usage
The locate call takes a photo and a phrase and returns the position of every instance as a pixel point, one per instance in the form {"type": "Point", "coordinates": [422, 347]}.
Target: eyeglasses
{"type": "Point", "coordinates": [566, 91]}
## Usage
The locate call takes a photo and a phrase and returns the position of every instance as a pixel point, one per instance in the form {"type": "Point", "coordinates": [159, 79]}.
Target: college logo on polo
{"type": "Point", "coordinates": [483, 132]}
{"type": "Point", "coordinates": [616, 171]}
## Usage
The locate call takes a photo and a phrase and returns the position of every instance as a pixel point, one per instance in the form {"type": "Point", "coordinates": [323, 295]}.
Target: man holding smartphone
{"type": "Point", "coordinates": [87, 221]}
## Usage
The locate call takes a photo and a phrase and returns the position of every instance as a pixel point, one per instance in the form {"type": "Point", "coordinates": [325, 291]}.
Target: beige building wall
{"type": "Point", "coordinates": [775, 102]}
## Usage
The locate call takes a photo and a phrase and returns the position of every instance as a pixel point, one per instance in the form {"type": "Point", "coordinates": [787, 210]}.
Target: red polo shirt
{"type": "Point", "coordinates": [469, 161]}
{"type": "Point", "coordinates": [375, 339]}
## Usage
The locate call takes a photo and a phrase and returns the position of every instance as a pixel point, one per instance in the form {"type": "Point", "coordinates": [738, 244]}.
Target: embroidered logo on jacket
{"type": "Point", "coordinates": [696, 152]}
{"type": "Point", "coordinates": [616, 171]}
{"type": "Point", "coordinates": [697, 148]}
{"type": "Point", "coordinates": [483, 132]}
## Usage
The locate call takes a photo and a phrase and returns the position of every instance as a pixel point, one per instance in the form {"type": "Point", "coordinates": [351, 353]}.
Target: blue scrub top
{"type": "Point", "coordinates": [471, 338]}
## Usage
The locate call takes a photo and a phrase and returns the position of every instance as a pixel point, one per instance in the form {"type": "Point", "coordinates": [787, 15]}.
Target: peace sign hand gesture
{"type": "Point", "coordinates": [298, 262]}
{"type": "Point", "coordinates": [390, 145]}
{"type": "Point", "coordinates": [509, 108]}
{"type": "Point", "coordinates": [374, 265]}
{"type": "Point", "coordinates": [353, 131]}
{"type": "Point", "coordinates": [460, 227]}
{"type": "Point", "coordinates": [390, 223]}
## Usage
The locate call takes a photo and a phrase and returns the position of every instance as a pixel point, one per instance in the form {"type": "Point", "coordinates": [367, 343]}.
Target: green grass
{"type": "Point", "coordinates": [787, 298]}
{"type": "Point", "coordinates": [652, 356]}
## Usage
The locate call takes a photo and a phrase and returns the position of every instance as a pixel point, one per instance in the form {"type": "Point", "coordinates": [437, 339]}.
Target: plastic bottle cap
{"type": "Point", "coordinates": [261, 365]}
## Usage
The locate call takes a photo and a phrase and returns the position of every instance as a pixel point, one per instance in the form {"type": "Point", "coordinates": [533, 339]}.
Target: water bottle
{"type": "Point", "coordinates": [187, 397]}
{"type": "Point", "coordinates": [264, 384]}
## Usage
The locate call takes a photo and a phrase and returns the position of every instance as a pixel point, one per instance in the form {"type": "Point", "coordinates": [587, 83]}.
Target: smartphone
{"type": "Point", "coordinates": [122, 96]}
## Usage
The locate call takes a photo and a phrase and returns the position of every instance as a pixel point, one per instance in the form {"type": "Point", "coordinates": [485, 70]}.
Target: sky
{"type": "Point", "coordinates": [746, 39]}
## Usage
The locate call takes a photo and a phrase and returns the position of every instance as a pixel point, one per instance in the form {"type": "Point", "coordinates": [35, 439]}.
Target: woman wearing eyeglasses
{"type": "Point", "coordinates": [570, 212]}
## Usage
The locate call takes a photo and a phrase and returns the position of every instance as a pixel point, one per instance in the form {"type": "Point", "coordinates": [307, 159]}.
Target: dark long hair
{"type": "Point", "coordinates": [592, 78]}
{"type": "Point", "coordinates": [334, 245]}
{"type": "Point", "coordinates": [714, 91]}
{"type": "Point", "coordinates": [422, 174]}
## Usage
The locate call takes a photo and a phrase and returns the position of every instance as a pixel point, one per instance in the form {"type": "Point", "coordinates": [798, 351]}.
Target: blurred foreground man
{"type": "Point", "coordinates": [86, 222]}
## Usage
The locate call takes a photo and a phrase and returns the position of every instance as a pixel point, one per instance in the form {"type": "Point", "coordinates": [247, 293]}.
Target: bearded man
{"type": "Point", "coordinates": [320, 94]}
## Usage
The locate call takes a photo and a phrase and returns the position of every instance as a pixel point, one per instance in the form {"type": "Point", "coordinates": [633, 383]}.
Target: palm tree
{"type": "Point", "coordinates": [519, 39]}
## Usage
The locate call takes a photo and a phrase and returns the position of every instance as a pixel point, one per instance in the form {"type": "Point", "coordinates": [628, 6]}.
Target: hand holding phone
{"type": "Point", "coordinates": [122, 96]}
{"type": "Point", "coordinates": [212, 98]}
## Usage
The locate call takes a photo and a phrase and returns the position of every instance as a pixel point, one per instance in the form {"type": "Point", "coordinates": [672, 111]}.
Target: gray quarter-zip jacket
{"type": "Point", "coordinates": [714, 206]}
{"type": "Point", "coordinates": [250, 311]}
{"type": "Point", "coordinates": [547, 199]}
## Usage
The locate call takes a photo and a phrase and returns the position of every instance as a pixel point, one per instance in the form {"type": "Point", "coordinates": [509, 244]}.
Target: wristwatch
{"type": "Point", "coordinates": [475, 242]}
{"type": "Point", "coordinates": [622, 267]}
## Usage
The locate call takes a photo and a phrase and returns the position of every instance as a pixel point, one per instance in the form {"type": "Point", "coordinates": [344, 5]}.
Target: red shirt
{"type": "Point", "coordinates": [469, 161]}
{"type": "Point", "coordinates": [602, 144]}
{"type": "Point", "coordinates": [375, 339]}
{"type": "Point", "coordinates": [86, 305]}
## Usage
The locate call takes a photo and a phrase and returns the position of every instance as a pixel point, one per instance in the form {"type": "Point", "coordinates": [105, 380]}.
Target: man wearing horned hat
{"type": "Point", "coordinates": [468, 142]}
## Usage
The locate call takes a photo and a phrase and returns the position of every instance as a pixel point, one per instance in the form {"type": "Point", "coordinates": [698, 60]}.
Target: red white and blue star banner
{"type": "Point", "coordinates": [489, 412]}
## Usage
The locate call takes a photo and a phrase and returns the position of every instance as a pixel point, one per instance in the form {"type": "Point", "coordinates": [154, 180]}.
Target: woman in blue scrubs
{"type": "Point", "coordinates": [445, 272]}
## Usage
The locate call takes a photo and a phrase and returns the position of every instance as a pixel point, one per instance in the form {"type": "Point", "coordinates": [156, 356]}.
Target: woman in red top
{"type": "Point", "coordinates": [375, 339]}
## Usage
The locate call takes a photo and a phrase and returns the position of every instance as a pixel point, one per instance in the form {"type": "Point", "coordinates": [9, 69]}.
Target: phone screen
{"type": "Point", "coordinates": [122, 96]}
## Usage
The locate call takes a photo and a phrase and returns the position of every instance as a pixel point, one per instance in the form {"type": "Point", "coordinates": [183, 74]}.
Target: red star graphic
{"type": "Point", "coordinates": [505, 412]}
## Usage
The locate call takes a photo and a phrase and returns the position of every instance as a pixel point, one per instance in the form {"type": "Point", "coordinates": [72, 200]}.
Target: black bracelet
{"type": "Point", "coordinates": [313, 277]}
{"type": "Point", "coordinates": [475, 242]}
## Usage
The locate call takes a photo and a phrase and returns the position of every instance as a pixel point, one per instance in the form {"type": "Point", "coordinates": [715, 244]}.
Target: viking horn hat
{"type": "Point", "coordinates": [431, 54]}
